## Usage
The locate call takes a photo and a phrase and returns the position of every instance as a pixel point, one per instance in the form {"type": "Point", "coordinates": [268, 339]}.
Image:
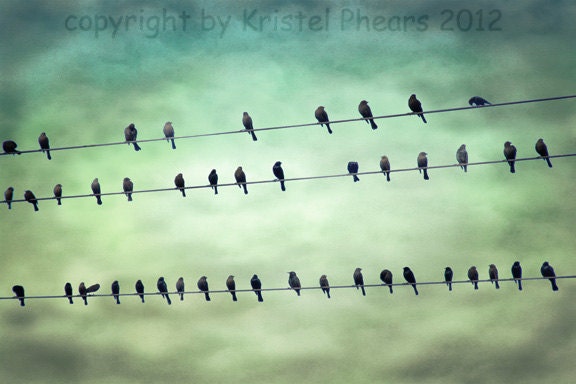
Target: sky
{"type": "Point", "coordinates": [81, 72]}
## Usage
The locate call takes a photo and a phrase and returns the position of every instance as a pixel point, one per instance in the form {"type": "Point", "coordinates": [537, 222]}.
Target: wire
{"type": "Point", "coordinates": [218, 291]}
{"type": "Point", "coordinates": [84, 146]}
{"type": "Point", "coordinates": [297, 178]}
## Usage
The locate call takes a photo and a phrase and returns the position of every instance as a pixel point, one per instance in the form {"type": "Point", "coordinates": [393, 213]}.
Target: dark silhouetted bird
{"type": "Point", "coordinates": [493, 274]}
{"type": "Point", "coordinates": [116, 291]}
{"type": "Point", "coordinates": [423, 164]}
{"type": "Point", "coordinates": [279, 173]}
{"type": "Point", "coordinates": [82, 291]}
{"type": "Point", "coordinates": [510, 155]}
{"type": "Point", "coordinates": [140, 289]}
{"type": "Point", "coordinates": [44, 144]}
{"type": "Point", "coordinates": [542, 150]}
{"type": "Point", "coordinates": [19, 292]}
{"type": "Point", "coordinates": [231, 285]}
{"type": "Point", "coordinates": [548, 271]}
{"type": "Point", "coordinates": [416, 106]}
{"type": "Point", "coordinates": [256, 285]}
{"type": "Point", "coordinates": [131, 134]}
{"type": "Point", "coordinates": [128, 187]}
{"type": "Point", "coordinates": [477, 101]}
{"type": "Point", "coordinates": [353, 169]}
{"type": "Point", "coordinates": [517, 274]}
{"type": "Point", "coordinates": [366, 112]}
{"type": "Point", "coordinates": [294, 282]}
{"type": "Point", "coordinates": [179, 183]}
{"type": "Point", "coordinates": [462, 157]}
{"type": "Point", "coordinates": [203, 286]}
{"type": "Point", "coordinates": [169, 133]}
{"type": "Point", "coordinates": [359, 280]}
{"type": "Point", "coordinates": [96, 191]}
{"type": "Point", "coordinates": [93, 288]}
{"type": "Point", "coordinates": [385, 167]}
{"type": "Point", "coordinates": [386, 277]}
{"type": "Point", "coordinates": [9, 196]}
{"type": "Point", "coordinates": [180, 287]}
{"type": "Point", "coordinates": [410, 278]}
{"type": "Point", "coordinates": [68, 292]}
{"type": "Point", "coordinates": [473, 276]}
{"type": "Point", "coordinates": [10, 146]}
{"type": "Point", "coordinates": [29, 197]}
{"type": "Point", "coordinates": [448, 274]}
{"type": "Point", "coordinates": [58, 193]}
{"type": "Point", "coordinates": [322, 117]}
{"type": "Point", "coordinates": [325, 285]}
{"type": "Point", "coordinates": [247, 122]}
{"type": "Point", "coordinates": [163, 289]}
{"type": "Point", "coordinates": [213, 179]}
{"type": "Point", "coordinates": [240, 177]}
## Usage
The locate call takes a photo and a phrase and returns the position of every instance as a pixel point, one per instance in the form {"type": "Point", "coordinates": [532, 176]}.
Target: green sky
{"type": "Point", "coordinates": [81, 85]}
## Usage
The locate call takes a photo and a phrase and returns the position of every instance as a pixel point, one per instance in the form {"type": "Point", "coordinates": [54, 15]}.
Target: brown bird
{"type": "Point", "coordinates": [473, 276]}
{"type": "Point", "coordinates": [58, 193]}
{"type": "Point", "coordinates": [359, 280]}
{"type": "Point", "coordinates": [29, 197]}
{"type": "Point", "coordinates": [203, 286]}
{"type": "Point", "coordinates": [385, 167]}
{"type": "Point", "coordinates": [423, 164]}
{"type": "Point", "coordinates": [82, 291]}
{"type": "Point", "coordinates": [19, 292]}
{"type": "Point", "coordinates": [116, 291]}
{"type": "Point", "coordinates": [179, 183]}
{"type": "Point", "coordinates": [128, 187]}
{"type": "Point", "coordinates": [322, 118]}
{"type": "Point", "coordinates": [231, 285]}
{"type": "Point", "coordinates": [493, 273]}
{"type": "Point", "coordinates": [240, 177]}
{"type": "Point", "coordinates": [325, 285]}
{"type": "Point", "coordinates": [9, 196]}
{"type": "Point", "coordinates": [386, 277]}
{"type": "Point", "coordinates": [542, 150]}
{"type": "Point", "coordinates": [510, 155]}
{"type": "Point", "coordinates": [140, 289]}
{"type": "Point", "coordinates": [180, 288]}
{"type": "Point", "coordinates": [247, 122]}
{"type": "Point", "coordinates": [462, 157]}
{"type": "Point", "coordinates": [68, 292]}
{"type": "Point", "coordinates": [416, 106]}
{"type": "Point", "coordinates": [410, 278]}
{"type": "Point", "coordinates": [213, 179]}
{"type": "Point", "coordinates": [366, 112]}
{"type": "Point", "coordinates": [96, 190]}
{"type": "Point", "coordinates": [131, 134]}
{"type": "Point", "coordinates": [10, 146]}
{"type": "Point", "coordinates": [169, 133]}
{"type": "Point", "coordinates": [44, 144]}
{"type": "Point", "coordinates": [294, 282]}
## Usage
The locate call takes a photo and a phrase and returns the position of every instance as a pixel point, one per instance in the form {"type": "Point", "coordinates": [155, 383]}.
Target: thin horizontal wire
{"type": "Point", "coordinates": [84, 146]}
{"type": "Point", "coordinates": [217, 291]}
{"type": "Point", "coordinates": [296, 178]}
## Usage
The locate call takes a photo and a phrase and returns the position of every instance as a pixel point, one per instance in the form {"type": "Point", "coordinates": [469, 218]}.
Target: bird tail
{"type": "Point", "coordinates": [59, 202]}
{"type": "Point", "coordinates": [512, 170]}
{"type": "Point", "coordinates": [554, 286]}
{"type": "Point", "coordinates": [519, 285]}
{"type": "Point", "coordinates": [173, 144]}
{"type": "Point", "coordinates": [9, 205]}
{"type": "Point", "coordinates": [373, 124]}
{"type": "Point", "coordinates": [449, 286]}
{"type": "Point", "coordinates": [183, 192]}
{"type": "Point", "coordinates": [549, 162]}
{"type": "Point", "coordinates": [35, 206]}
{"type": "Point", "coordinates": [129, 196]}
{"type": "Point", "coordinates": [70, 300]}
{"type": "Point", "coordinates": [207, 296]}
{"type": "Point", "coordinates": [415, 289]}
{"type": "Point", "coordinates": [48, 155]}
{"type": "Point", "coordinates": [387, 176]}
{"type": "Point", "coordinates": [329, 130]}
{"type": "Point", "coordinates": [259, 294]}
{"type": "Point", "coordinates": [363, 291]}
{"type": "Point", "coordinates": [391, 291]}
{"type": "Point", "coordinates": [234, 296]}
{"type": "Point", "coordinates": [475, 285]}
{"type": "Point", "coordinates": [254, 138]}
{"type": "Point", "coordinates": [426, 174]}
{"type": "Point", "coordinates": [215, 190]}
{"type": "Point", "coordinates": [117, 299]}
{"type": "Point", "coordinates": [136, 146]}
{"type": "Point", "coordinates": [328, 293]}
{"type": "Point", "coordinates": [85, 300]}
{"type": "Point", "coordinates": [168, 299]}
{"type": "Point", "coordinates": [422, 117]}
{"type": "Point", "coordinates": [98, 200]}
{"type": "Point", "coordinates": [245, 188]}
{"type": "Point", "coordinates": [297, 292]}
{"type": "Point", "coordinates": [355, 178]}
{"type": "Point", "coordinates": [497, 285]}
{"type": "Point", "coordinates": [142, 297]}
{"type": "Point", "coordinates": [282, 185]}
{"type": "Point", "coordinates": [181, 297]}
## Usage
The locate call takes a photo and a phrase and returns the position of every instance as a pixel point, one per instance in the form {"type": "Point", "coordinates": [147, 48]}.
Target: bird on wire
{"type": "Point", "coordinates": [169, 133]}
{"type": "Point", "coordinates": [448, 274]}
{"type": "Point", "coordinates": [256, 285]}
{"type": "Point", "coordinates": [478, 101]}
{"type": "Point", "coordinates": [180, 287]}
{"type": "Point", "coordinates": [131, 134]}
{"type": "Point", "coordinates": [386, 277]}
{"type": "Point", "coordinates": [473, 276]}
{"type": "Point", "coordinates": [410, 278]}
{"type": "Point", "coordinates": [179, 183]}
{"type": "Point", "coordinates": [359, 280]}
{"type": "Point", "coordinates": [231, 285]}
{"type": "Point", "coordinates": [29, 197]}
{"type": "Point", "coordinates": [203, 286]}
{"type": "Point", "coordinates": [353, 170]}
{"type": "Point", "coordinates": [510, 155]}
{"type": "Point", "coordinates": [366, 113]}
{"type": "Point", "coordinates": [493, 274]}
{"type": "Point", "coordinates": [240, 177]}
{"type": "Point", "coordinates": [116, 291]}
{"type": "Point", "coordinates": [96, 191]}
{"type": "Point", "coordinates": [68, 292]}
{"type": "Point", "coordinates": [422, 161]}
{"type": "Point", "coordinates": [19, 292]}
{"type": "Point", "coordinates": [325, 285]}
{"type": "Point", "coordinates": [385, 167]}
{"type": "Point", "coordinates": [462, 157]}
{"type": "Point", "coordinates": [163, 289]}
{"type": "Point", "coordinates": [517, 274]}
{"type": "Point", "coordinates": [247, 122]}
{"type": "Point", "coordinates": [140, 289]}
{"type": "Point", "coordinates": [416, 107]}
{"type": "Point", "coordinates": [548, 271]}
{"type": "Point", "coordinates": [542, 150]}
{"type": "Point", "coordinates": [322, 118]}
{"type": "Point", "coordinates": [44, 144]}
{"type": "Point", "coordinates": [294, 282]}
{"type": "Point", "coordinates": [279, 173]}
{"type": "Point", "coordinates": [213, 180]}
{"type": "Point", "coordinates": [58, 193]}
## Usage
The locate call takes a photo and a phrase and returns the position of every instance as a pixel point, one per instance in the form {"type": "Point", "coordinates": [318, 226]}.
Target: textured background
{"type": "Point", "coordinates": [81, 88]}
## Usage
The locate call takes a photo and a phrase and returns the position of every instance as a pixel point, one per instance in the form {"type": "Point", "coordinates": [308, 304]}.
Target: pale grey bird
{"type": "Point", "coordinates": [493, 274]}
{"type": "Point", "coordinates": [325, 285]}
{"type": "Point", "coordinates": [44, 144]}
{"type": "Point", "coordinates": [462, 157]}
{"type": "Point", "coordinates": [423, 164]}
{"type": "Point", "coordinates": [9, 196]}
{"type": "Point", "coordinates": [213, 179]}
{"type": "Point", "coordinates": [231, 285]}
{"type": "Point", "coordinates": [19, 292]}
{"type": "Point", "coordinates": [240, 177]}
{"type": "Point", "coordinates": [473, 276]}
{"type": "Point", "coordinates": [517, 274]}
{"type": "Point", "coordinates": [203, 286]}
{"type": "Point", "coordinates": [140, 289]}
{"type": "Point", "coordinates": [29, 197]}
{"type": "Point", "coordinates": [510, 155]}
{"type": "Point", "coordinates": [322, 118]}
{"type": "Point", "coordinates": [68, 292]}
{"type": "Point", "coordinates": [128, 187]}
{"type": "Point", "coordinates": [548, 271]}
{"type": "Point", "coordinates": [410, 278]}
{"type": "Point", "coordinates": [366, 112]}
{"type": "Point", "coordinates": [179, 183]}
{"type": "Point", "coordinates": [359, 280]}
{"type": "Point", "coordinates": [294, 282]}
{"type": "Point", "coordinates": [247, 122]}
{"type": "Point", "coordinates": [478, 101]}
{"type": "Point", "coordinates": [386, 277]}
{"type": "Point", "coordinates": [542, 150]}
{"type": "Point", "coordinates": [169, 133]}
{"type": "Point", "coordinates": [385, 167]}
{"type": "Point", "coordinates": [116, 291]}
{"type": "Point", "coordinates": [163, 289]}
{"type": "Point", "coordinates": [96, 190]}
{"type": "Point", "coordinates": [180, 287]}
{"type": "Point", "coordinates": [279, 173]}
{"type": "Point", "coordinates": [416, 106]}
{"type": "Point", "coordinates": [58, 193]}
{"type": "Point", "coordinates": [131, 134]}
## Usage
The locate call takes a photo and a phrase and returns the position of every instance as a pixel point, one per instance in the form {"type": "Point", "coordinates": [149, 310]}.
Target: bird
{"type": "Point", "coordinates": [82, 291]}
{"type": "Point", "coordinates": [131, 134]}
{"type": "Point", "coordinates": [322, 118]}
{"type": "Point", "coordinates": [510, 155]}
{"type": "Point", "coordinates": [493, 274]}
{"type": "Point", "coordinates": [179, 183]}
{"type": "Point", "coordinates": [140, 289]}
{"type": "Point", "coordinates": [325, 285]}
{"type": "Point", "coordinates": [386, 277]}
{"type": "Point", "coordinates": [240, 177]}
{"type": "Point", "coordinates": [542, 150]}
{"type": "Point", "coordinates": [161, 285]}
{"type": "Point", "coordinates": [247, 122]}
{"type": "Point", "coordinates": [416, 106]}
{"type": "Point", "coordinates": [93, 288]}
{"type": "Point", "coordinates": [231, 285]}
{"type": "Point", "coordinates": [58, 193]}
{"type": "Point", "coordinates": [203, 286]}
{"type": "Point", "coordinates": [213, 179]}
{"type": "Point", "coordinates": [19, 292]}
{"type": "Point", "coordinates": [423, 164]}
{"type": "Point", "coordinates": [29, 197]}
{"type": "Point", "coordinates": [473, 276]}
{"type": "Point", "coordinates": [116, 291]}
{"type": "Point", "coordinates": [294, 282]}
{"type": "Point", "coordinates": [256, 285]}
{"type": "Point", "coordinates": [478, 101]}
{"type": "Point", "coordinates": [44, 144]}
{"type": "Point", "coordinates": [366, 112]}
{"type": "Point", "coordinates": [180, 287]}
{"type": "Point", "coordinates": [385, 167]}
{"type": "Point", "coordinates": [353, 169]}
{"type": "Point", "coordinates": [517, 274]}
{"type": "Point", "coordinates": [68, 292]}
{"type": "Point", "coordinates": [462, 157]}
{"type": "Point", "coordinates": [548, 271]}
{"type": "Point", "coordinates": [410, 278]}
{"type": "Point", "coordinates": [279, 173]}
{"type": "Point", "coordinates": [128, 187]}
{"type": "Point", "coordinates": [448, 274]}
{"type": "Point", "coordinates": [10, 146]}
{"type": "Point", "coordinates": [8, 196]}
{"type": "Point", "coordinates": [169, 133]}
{"type": "Point", "coordinates": [359, 280]}
{"type": "Point", "coordinates": [96, 190]}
